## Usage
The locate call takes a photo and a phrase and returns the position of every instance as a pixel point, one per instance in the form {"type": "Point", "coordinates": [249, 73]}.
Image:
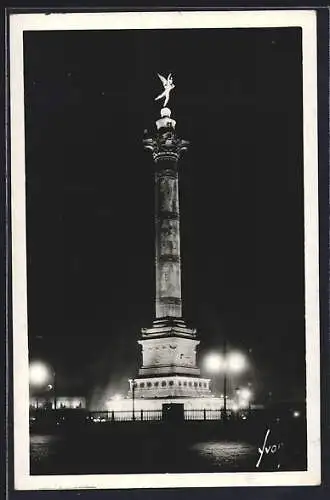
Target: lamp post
{"type": "Point", "coordinates": [225, 380]}
{"type": "Point", "coordinates": [55, 389]}
{"type": "Point", "coordinates": [133, 385]}
{"type": "Point", "coordinates": [227, 362]}
{"type": "Point", "coordinates": [52, 387]}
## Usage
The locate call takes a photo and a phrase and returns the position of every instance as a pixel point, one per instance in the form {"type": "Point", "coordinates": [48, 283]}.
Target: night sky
{"type": "Point", "coordinates": [89, 97]}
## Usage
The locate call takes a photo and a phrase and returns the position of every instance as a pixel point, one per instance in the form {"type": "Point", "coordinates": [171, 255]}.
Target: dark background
{"type": "Point", "coordinates": [238, 99]}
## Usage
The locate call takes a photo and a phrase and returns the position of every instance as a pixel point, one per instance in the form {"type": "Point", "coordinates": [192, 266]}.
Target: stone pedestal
{"type": "Point", "coordinates": [169, 362]}
{"type": "Point", "coordinates": [197, 403]}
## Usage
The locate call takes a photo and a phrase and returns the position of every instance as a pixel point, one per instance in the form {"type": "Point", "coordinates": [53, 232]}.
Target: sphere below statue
{"type": "Point", "coordinates": [165, 121]}
{"type": "Point", "coordinates": [165, 112]}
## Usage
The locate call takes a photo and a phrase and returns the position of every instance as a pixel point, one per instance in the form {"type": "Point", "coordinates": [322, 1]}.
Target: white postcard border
{"type": "Point", "coordinates": [19, 23]}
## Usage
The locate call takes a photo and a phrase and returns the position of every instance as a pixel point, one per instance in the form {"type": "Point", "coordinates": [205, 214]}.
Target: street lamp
{"type": "Point", "coordinates": [236, 362]}
{"type": "Point", "coordinates": [40, 375]}
{"type": "Point", "coordinates": [245, 394]}
{"type": "Point", "coordinates": [227, 362]}
{"type": "Point", "coordinates": [214, 362]}
{"type": "Point", "coordinates": [133, 386]}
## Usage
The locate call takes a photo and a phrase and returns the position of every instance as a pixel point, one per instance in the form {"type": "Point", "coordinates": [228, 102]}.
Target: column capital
{"type": "Point", "coordinates": [165, 145]}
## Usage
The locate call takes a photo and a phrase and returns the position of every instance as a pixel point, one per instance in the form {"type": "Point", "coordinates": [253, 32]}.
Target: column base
{"type": "Point", "coordinates": [169, 327]}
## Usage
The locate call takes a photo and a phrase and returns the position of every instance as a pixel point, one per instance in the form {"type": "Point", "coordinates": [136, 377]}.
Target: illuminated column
{"type": "Point", "coordinates": [166, 149]}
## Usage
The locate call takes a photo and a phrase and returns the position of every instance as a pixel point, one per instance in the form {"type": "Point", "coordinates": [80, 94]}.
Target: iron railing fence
{"type": "Point", "coordinates": [202, 414]}
{"type": "Point", "coordinates": [139, 415]}
{"type": "Point", "coordinates": [152, 415]}
{"type": "Point", "coordinates": [125, 416]}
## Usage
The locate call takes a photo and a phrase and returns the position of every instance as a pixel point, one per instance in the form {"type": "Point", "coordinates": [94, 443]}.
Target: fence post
{"type": "Point", "coordinates": [112, 415]}
{"type": "Point", "coordinates": [141, 414]}
{"type": "Point", "coordinates": [204, 412]}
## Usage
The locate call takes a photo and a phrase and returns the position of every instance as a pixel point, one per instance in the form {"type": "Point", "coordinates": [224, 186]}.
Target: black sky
{"type": "Point", "coordinates": [238, 99]}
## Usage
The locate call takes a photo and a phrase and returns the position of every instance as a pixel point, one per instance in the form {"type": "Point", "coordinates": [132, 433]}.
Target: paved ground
{"type": "Point", "coordinates": [130, 449]}
{"type": "Point", "coordinates": [56, 455]}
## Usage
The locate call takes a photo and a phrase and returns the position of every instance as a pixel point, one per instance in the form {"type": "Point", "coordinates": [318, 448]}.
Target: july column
{"type": "Point", "coordinates": [167, 148]}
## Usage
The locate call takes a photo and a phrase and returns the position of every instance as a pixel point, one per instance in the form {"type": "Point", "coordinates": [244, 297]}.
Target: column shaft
{"type": "Point", "coordinates": [167, 228]}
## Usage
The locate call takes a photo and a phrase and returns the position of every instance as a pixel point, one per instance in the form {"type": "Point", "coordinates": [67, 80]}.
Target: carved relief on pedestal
{"type": "Point", "coordinates": [169, 352]}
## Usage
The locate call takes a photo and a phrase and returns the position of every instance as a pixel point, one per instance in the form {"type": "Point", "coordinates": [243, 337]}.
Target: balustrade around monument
{"type": "Point", "coordinates": [42, 420]}
{"type": "Point", "coordinates": [152, 415]}
{"type": "Point", "coordinates": [124, 416]}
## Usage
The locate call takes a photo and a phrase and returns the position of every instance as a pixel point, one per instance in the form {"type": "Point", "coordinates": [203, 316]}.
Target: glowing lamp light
{"type": "Point", "coordinates": [214, 362]}
{"type": "Point", "coordinates": [296, 414]}
{"type": "Point", "coordinates": [38, 374]}
{"type": "Point", "coordinates": [245, 394]}
{"type": "Point", "coordinates": [236, 362]}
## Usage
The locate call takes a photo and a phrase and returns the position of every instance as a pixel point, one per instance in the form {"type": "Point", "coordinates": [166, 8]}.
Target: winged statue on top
{"type": "Point", "coordinates": [168, 86]}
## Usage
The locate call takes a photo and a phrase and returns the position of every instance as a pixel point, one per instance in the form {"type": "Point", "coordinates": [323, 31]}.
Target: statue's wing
{"type": "Point", "coordinates": [163, 80]}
